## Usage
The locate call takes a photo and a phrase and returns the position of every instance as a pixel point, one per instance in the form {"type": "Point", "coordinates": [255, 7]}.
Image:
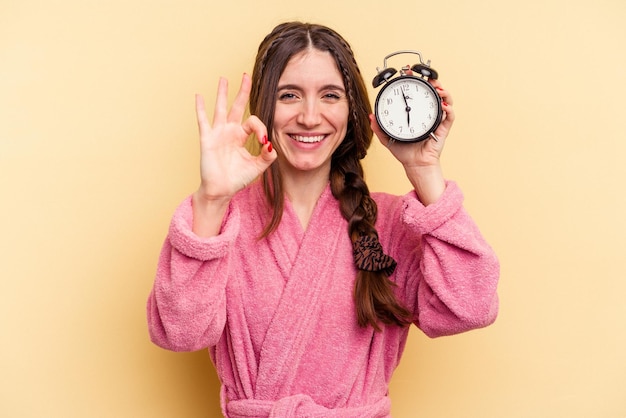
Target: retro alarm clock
{"type": "Point", "coordinates": [407, 108]}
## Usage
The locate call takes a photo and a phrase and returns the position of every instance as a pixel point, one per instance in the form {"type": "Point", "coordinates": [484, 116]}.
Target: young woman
{"type": "Point", "coordinates": [276, 263]}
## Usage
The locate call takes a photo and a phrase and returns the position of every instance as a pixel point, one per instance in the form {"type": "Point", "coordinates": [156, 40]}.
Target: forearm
{"type": "Point", "coordinates": [458, 290]}
{"type": "Point", "coordinates": [453, 272]}
{"type": "Point", "coordinates": [460, 274]}
{"type": "Point", "coordinates": [186, 307]}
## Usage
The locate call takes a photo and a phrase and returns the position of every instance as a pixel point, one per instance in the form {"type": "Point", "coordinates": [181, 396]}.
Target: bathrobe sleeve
{"type": "Point", "coordinates": [449, 272]}
{"type": "Point", "coordinates": [187, 305]}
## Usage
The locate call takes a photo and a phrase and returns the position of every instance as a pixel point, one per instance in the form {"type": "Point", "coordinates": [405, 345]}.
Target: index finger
{"type": "Point", "coordinates": [382, 137]}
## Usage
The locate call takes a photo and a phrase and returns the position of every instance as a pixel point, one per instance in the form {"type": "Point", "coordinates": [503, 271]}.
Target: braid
{"type": "Point", "coordinates": [272, 57]}
{"type": "Point", "coordinates": [373, 292]}
{"type": "Point", "coordinates": [354, 88]}
{"type": "Point", "coordinates": [265, 51]}
{"type": "Point", "coordinates": [374, 297]}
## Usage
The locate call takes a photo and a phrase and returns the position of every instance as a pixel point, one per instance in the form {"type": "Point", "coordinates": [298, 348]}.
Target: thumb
{"type": "Point", "coordinates": [267, 156]}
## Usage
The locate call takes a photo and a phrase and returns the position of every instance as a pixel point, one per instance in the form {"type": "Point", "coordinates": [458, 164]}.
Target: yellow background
{"type": "Point", "coordinates": [98, 145]}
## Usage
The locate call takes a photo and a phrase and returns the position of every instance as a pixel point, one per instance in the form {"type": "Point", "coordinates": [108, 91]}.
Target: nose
{"type": "Point", "coordinates": [310, 113]}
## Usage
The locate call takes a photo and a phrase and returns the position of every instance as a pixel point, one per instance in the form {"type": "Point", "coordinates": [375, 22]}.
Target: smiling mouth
{"type": "Point", "coordinates": [308, 139]}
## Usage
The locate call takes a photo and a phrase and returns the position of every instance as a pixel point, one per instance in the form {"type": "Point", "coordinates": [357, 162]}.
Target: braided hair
{"type": "Point", "coordinates": [373, 293]}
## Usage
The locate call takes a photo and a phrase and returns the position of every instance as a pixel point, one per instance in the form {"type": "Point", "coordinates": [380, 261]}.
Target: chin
{"type": "Point", "coordinates": [307, 166]}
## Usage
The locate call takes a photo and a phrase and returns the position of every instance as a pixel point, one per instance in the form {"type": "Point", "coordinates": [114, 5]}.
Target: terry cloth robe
{"type": "Point", "coordinates": [278, 314]}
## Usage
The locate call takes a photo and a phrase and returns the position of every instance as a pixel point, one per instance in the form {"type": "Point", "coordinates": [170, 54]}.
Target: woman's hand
{"type": "Point", "coordinates": [427, 152]}
{"type": "Point", "coordinates": [226, 166]}
{"type": "Point", "coordinates": [421, 160]}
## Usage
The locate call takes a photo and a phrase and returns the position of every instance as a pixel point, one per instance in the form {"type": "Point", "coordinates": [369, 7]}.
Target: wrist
{"type": "Point", "coordinates": [203, 200]}
{"type": "Point", "coordinates": [208, 214]}
{"type": "Point", "coordinates": [428, 182]}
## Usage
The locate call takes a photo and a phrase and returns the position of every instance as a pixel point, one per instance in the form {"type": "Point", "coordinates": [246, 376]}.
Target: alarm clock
{"type": "Point", "coordinates": [407, 108]}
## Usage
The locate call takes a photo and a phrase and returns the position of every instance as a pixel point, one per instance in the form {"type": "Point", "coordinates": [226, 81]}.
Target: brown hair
{"type": "Point", "coordinates": [374, 297]}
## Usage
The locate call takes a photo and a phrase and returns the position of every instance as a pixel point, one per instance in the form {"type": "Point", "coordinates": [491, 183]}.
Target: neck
{"type": "Point", "coordinates": [303, 191]}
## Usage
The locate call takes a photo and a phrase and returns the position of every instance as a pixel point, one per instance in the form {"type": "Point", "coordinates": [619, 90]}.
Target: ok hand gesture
{"type": "Point", "coordinates": [226, 166]}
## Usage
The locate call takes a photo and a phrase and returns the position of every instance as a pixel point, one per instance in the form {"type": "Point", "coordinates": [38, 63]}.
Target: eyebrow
{"type": "Point", "coordinates": [324, 87]}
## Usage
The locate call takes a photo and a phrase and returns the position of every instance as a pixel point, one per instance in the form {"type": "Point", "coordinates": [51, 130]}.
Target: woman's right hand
{"type": "Point", "coordinates": [226, 166]}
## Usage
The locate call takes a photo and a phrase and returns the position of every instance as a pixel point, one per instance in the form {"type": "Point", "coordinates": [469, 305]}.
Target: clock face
{"type": "Point", "coordinates": [408, 109]}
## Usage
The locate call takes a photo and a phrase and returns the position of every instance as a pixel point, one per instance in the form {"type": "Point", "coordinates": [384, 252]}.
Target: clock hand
{"type": "Point", "coordinates": [407, 108]}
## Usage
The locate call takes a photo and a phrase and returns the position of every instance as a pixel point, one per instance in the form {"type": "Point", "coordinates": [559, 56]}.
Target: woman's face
{"type": "Point", "coordinates": [311, 116]}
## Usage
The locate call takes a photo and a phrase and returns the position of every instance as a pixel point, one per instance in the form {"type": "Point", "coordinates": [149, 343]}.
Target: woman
{"type": "Point", "coordinates": [285, 279]}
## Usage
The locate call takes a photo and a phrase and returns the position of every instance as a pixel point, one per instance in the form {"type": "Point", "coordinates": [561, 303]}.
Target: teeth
{"type": "Point", "coordinates": [308, 139]}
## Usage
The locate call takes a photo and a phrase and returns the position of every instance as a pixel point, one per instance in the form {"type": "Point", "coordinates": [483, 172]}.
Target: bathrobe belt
{"type": "Point", "coordinates": [302, 406]}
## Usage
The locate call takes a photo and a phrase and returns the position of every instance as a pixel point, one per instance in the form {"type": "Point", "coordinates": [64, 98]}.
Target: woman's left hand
{"type": "Point", "coordinates": [421, 160]}
{"type": "Point", "coordinates": [428, 151]}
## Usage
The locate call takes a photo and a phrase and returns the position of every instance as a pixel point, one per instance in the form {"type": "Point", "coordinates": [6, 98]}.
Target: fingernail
{"type": "Point", "coordinates": [264, 139]}
{"type": "Point", "coordinates": [269, 147]}
{"type": "Point", "coordinates": [445, 104]}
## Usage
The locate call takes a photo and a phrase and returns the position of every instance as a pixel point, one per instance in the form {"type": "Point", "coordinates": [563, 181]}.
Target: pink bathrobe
{"type": "Point", "coordinates": [278, 314]}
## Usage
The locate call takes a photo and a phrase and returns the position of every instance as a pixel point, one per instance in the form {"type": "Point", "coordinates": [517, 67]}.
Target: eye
{"type": "Point", "coordinates": [287, 97]}
{"type": "Point", "coordinates": [332, 96]}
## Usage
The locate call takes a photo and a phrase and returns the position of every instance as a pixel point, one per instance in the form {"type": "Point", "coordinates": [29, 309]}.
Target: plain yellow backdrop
{"type": "Point", "coordinates": [98, 145]}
